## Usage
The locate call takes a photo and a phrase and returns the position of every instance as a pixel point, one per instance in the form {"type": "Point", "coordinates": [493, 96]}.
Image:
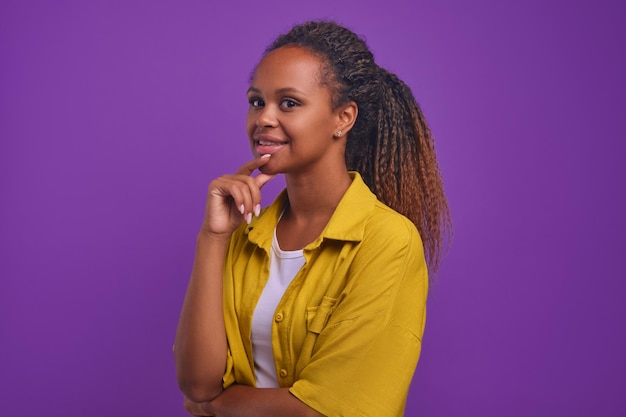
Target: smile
{"type": "Point", "coordinates": [268, 145]}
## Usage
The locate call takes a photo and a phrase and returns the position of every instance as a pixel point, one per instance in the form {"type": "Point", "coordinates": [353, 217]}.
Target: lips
{"type": "Point", "coordinates": [268, 145]}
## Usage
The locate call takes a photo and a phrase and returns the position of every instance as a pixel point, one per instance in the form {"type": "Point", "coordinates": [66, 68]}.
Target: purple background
{"type": "Point", "coordinates": [115, 115]}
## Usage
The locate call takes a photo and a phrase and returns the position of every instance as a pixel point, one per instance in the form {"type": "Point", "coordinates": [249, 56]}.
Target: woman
{"type": "Point", "coordinates": [316, 305]}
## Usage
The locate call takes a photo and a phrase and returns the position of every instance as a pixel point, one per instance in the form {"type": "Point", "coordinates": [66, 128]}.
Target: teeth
{"type": "Point", "coordinates": [267, 143]}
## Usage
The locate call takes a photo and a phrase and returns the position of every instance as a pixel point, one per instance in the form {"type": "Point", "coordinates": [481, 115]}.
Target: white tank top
{"type": "Point", "coordinates": [284, 265]}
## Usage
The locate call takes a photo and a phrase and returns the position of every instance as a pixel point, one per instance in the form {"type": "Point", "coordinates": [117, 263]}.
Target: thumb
{"type": "Point", "coordinates": [263, 179]}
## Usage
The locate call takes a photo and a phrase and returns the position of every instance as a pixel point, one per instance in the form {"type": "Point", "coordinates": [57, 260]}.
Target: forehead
{"type": "Point", "coordinates": [288, 66]}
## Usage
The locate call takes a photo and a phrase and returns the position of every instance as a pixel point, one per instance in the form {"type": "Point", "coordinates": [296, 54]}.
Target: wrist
{"type": "Point", "coordinates": [205, 237]}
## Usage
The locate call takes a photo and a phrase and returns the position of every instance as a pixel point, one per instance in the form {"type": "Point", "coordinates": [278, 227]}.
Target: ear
{"type": "Point", "coordinates": [346, 117]}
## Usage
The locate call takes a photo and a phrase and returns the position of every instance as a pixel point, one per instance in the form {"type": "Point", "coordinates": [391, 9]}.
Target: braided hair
{"type": "Point", "coordinates": [390, 144]}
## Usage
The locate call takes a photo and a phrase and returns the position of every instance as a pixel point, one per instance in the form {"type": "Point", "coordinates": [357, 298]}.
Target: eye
{"type": "Point", "coordinates": [256, 102]}
{"type": "Point", "coordinates": [289, 103]}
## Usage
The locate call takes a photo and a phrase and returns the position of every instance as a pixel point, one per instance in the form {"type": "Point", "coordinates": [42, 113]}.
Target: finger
{"type": "Point", "coordinates": [249, 167]}
{"type": "Point", "coordinates": [263, 179]}
{"type": "Point", "coordinates": [247, 200]}
{"type": "Point", "coordinates": [189, 406]}
{"type": "Point", "coordinates": [249, 190]}
{"type": "Point", "coordinates": [240, 192]}
{"type": "Point", "coordinates": [194, 409]}
{"type": "Point", "coordinates": [254, 188]}
{"type": "Point", "coordinates": [246, 195]}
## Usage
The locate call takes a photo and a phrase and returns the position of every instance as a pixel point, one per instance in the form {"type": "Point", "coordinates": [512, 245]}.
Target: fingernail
{"type": "Point", "coordinates": [248, 218]}
{"type": "Point", "coordinates": [241, 209]}
{"type": "Point", "coordinates": [257, 210]}
{"type": "Point", "coordinates": [267, 155]}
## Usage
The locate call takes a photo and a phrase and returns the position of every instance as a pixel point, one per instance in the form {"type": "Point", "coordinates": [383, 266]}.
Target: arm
{"type": "Point", "coordinates": [365, 355]}
{"type": "Point", "coordinates": [243, 401]}
{"type": "Point", "coordinates": [200, 348]}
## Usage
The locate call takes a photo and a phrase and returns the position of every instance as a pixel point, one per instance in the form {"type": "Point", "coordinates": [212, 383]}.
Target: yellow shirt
{"type": "Point", "coordinates": [347, 332]}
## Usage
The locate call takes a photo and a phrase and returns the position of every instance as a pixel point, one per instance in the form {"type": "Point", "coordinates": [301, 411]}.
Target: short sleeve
{"type": "Point", "coordinates": [365, 356]}
{"type": "Point", "coordinates": [229, 373]}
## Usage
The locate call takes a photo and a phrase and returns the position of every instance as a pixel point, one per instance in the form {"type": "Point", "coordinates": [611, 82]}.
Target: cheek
{"type": "Point", "coordinates": [250, 124]}
{"type": "Point", "coordinates": [313, 129]}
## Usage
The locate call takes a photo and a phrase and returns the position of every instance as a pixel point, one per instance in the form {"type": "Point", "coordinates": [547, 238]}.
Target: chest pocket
{"type": "Point", "coordinates": [317, 316]}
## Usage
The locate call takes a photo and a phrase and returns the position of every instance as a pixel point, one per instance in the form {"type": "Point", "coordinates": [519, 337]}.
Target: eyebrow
{"type": "Point", "coordinates": [279, 91]}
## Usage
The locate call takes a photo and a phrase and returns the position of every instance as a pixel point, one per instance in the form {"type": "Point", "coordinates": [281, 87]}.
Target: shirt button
{"type": "Point", "coordinates": [279, 317]}
{"type": "Point", "coordinates": [283, 373]}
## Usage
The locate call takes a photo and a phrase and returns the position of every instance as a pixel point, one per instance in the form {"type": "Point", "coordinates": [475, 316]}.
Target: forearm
{"type": "Point", "coordinates": [200, 347]}
{"type": "Point", "coordinates": [244, 401]}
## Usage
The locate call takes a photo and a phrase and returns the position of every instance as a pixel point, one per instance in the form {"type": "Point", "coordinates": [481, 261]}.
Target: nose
{"type": "Point", "coordinates": [267, 117]}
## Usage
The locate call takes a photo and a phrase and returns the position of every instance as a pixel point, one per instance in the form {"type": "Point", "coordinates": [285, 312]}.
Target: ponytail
{"type": "Point", "coordinates": [390, 144]}
{"type": "Point", "coordinates": [398, 162]}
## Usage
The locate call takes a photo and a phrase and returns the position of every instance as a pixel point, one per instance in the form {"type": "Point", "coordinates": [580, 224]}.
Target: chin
{"type": "Point", "coordinates": [265, 169]}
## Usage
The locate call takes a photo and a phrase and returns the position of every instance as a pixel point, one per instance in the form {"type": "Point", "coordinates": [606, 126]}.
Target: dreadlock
{"type": "Point", "coordinates": [390, 144]}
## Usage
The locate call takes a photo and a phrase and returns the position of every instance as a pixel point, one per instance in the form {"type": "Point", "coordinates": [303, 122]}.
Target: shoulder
{"type": "Point", "coordinates": [391, 250]}
{"type": "Point", "coordinates": [362, 217]}
{"type": "Point", "coordinates": [387, 226]}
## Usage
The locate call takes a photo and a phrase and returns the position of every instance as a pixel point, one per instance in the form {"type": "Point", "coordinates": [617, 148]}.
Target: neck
{"type": "Point", "coordinates": [316, 196]}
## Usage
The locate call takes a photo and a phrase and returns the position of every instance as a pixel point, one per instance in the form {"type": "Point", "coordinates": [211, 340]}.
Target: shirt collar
{"type": "Point", "coordinates": [347, 222]}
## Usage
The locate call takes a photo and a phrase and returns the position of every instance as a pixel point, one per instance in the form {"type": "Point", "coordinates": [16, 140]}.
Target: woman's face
{"type": "Point", "coordinates": [290, 114]}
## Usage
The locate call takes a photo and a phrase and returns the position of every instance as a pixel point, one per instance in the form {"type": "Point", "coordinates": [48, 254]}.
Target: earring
{"type": "Point", "coordinates": [338, 134]}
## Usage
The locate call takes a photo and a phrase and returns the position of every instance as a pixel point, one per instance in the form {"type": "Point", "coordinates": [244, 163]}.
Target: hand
{"type": "Point", "coordinates": [234, 198]}
{"type": "Point", "coordinates": [197, 409]}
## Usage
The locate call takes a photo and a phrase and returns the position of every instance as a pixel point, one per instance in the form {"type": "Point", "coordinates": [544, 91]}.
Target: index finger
{"type": "Point", "coordinates": [249, 167]}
